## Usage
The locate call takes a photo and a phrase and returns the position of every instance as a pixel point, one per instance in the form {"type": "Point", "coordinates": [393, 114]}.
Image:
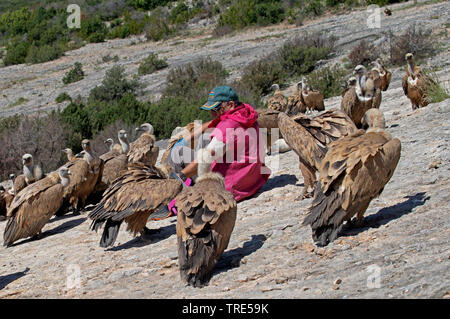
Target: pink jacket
{"type": "Point", "coordinates": [244, 171]}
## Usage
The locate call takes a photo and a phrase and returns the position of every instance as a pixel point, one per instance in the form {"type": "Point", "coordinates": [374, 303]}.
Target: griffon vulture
{"type": "Point", "coordinates": [33, 207]}
{"type": "Point", "coordinates": [312, 99]}
{"type": "Point", "coordinates": [351, 82]}
{"type": "Point", "coordinates": [31, 173]}
{"type": "Point", "coordinates": [295, 102]}
{"type": "Point", "coordinates": [205, 221]}
{"type": "Point", "coordinates": [385, 75]}
{"type": "Point", "coordinates": [353, 172]}
{"type": "Point", "coordinates": [133, 198]}
{"type": "Point", "coordinates": [144, 149]}
{"type": "Point", "coordinates": [70, 155]}
{"type": "Point", "coordinates": [363, 96]}
{"type": "Point", "coordinates": [85, 174]}
{"type": "Point", "coordinates": [268, 119]}
{"type": "Point", "coordinates": [309, 138]}
{"type": "Point", "coordinates": [278, 101]}
{"type": "Point", "coordinates": [413, 83]}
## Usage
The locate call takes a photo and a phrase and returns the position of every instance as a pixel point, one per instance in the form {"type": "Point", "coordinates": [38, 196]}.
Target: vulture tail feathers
{"type": "Point", "coordinates": [10, 232]}
{"type": "Point", "coordinates": [325, 216]}
{"type": "Point", "coordinates": [196, 256]}
{"type": "Point", "coordinates": [110, 233]}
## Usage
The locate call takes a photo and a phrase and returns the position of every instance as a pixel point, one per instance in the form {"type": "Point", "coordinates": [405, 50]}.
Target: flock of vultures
{"type": "Point", "coordinates": [349, 148]}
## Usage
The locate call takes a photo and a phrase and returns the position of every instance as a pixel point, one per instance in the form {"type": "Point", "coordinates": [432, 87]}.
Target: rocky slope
{"type": "Point", "coordinates": [405, 237]}
{"type": "Point", "coordinates": [40, 84]}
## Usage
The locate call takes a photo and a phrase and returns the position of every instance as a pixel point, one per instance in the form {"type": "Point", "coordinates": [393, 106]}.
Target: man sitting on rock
{"type": "Point", "coordinates": [234, 142]}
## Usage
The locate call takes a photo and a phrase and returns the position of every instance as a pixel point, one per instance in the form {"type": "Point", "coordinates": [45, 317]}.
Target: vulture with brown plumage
{"type": "Point", "coordinates": [309, 138]}
{"type": "Point", "coordinates": [355, 170]}
{"type": "Point", "coordinates": [278, 101]}
{"type": "Point", "coordinates": [351, 82]}
{"type": "Point", "coordinates": [295, 102]}
{"type": "Point", "coordinates": [205, 221]}
{"type": "Point", "coordinates": [312, 99]}
{"type": "Point", "coordinates": [31, 173]}
{"type": "Point", "coordinates": [143, 149]}
{"type": "Point", "coordinates": [70, 155]}
{"type": "Point", "coordinates": [363, 96]}
{"type": "Point", "coordinates": [268, 119]}
{"type": "Point", "coordinates": [133, 198]}
{"type": "Point", "coordinates": [413, 83]}
{"type": "Point", "coordinates": [115, 161]}
{"type": "Point", "coordinates": [86, 172]}
{"type": "Point", "coordinates": [385, 75]}
{"type": "Point", "coordinates": [33, 207]}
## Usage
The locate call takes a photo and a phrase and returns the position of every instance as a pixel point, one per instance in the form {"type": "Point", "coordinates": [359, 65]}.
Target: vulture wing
{"type": "Point", "coordinates": [132, 198]}
{"type": "Point", "coordinates": [405, 84]}
{"type": "Point", "coordinates": [144, 150]}
{"type": "Point", "coordinates": [277, 102]}
{"type": "Point", "coordinates": [267, 118]}
{"type": "Point", "coordinates": [32, 208]}
{"type": "Point", "coordinates": [206, 218]}
{"type": "Point", "coordinates": [19, 183]}
{"type": "Point", "coordinates": [353, 172]}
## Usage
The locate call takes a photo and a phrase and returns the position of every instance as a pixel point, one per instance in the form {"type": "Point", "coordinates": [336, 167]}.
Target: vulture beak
{"type": "Point", "coordinates": [69, 172]}
{"type": "Point", "coordinates": [138, 129]}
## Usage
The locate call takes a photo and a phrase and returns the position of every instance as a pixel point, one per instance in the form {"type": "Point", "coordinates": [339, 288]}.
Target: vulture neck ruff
{"type": "Point", "coordinates": [28, 171]}
{"type": "Point", "coordinates": [125, 145]}
{"type": "Point", "coordinates": [211, 176]}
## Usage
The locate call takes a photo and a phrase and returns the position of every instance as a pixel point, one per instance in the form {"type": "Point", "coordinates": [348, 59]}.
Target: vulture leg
{"type": "Point", "coordinates": [269, 142]}
{"type": "Point", "coordinates": [309, 178]}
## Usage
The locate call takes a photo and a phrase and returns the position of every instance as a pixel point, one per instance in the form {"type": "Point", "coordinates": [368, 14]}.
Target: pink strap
{"type": "Point", "coordinates": [171, 205]}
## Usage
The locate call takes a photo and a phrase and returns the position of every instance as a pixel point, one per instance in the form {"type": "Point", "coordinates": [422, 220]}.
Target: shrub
{"type": "Point", "coordinates": [114, 86]}
{"type": "Point", "coordinates": [151, 64]}
{"type": "Point", "coordinates": [314, 7]}
{"type": "Point", "coordinates": [16, 53]}
{"type": "Point", "coordinates": [93, 29]}
{"type": "Point", "coordinates": [328, 80]}
{"type": "Point", "coordinates": [74, 75]}
{"type": "Point", "coordinates": [148, 4]}
{"type": "Point", "coordinates": [157, 27]}
{"type": "Point", "coordinates": [195, 80]}
{"type": "Point", "coordinates": [44, 53]}
{"type": "Point", "coordinates": [415, 40]}
{"type": "Point", "coordinates": [363, 53]}
{"type": "Point", "coordinates": [243, 13]}
{"type": "Point", "coordinates": [435, 92]}
{"type": "Point", "coordinates": [108, 58]}
{"type": "Point", "coordinates": [63, 97]}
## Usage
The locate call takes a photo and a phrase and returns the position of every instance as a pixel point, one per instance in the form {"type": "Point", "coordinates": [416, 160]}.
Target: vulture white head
{"type": "Point", "coordinates": [204, 160]}
{"type": "Point", "coordinates": [109, 143]}
{"type": "Point", "coordinates": [373, 119]}
{"type": "Point", "coordinates": [80, 155]}
{"type": "Point", "coordinates": [64, 174]}
{"type": "Point", "coordinates": [86, 145]}
{"type": "Point", "coordinates": [12, 176]}
{"type": "Point", "coordinates": [122, 135]}
{"type": "Point", "coordinates": [409, 57]}
{"type": "Point", "coordinates": [360, 70]}
{"type": "Point", "coordinates": [351, 81]}
{"type": "Point", "coordinates": [146, 127]}
{"type": "Point", "coordinates": [275, 87]}
{"type": "Point", "coordinates": [27, 160]}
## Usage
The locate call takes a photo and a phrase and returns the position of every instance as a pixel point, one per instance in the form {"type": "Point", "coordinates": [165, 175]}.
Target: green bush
{"type": "Point", "coordinates": [93, 29]}
{"type": "Point", "coordinates": [157, 27]}
{"type": "Point", "coordinates": [328, 80]}
{"type": "Point", "coordinates": [435, 92]}
{"type": "Point", "coordinates": [10, 122]}
{"type": "Point", "coordinates": [63, 97]}
{"type": "Point", "coordinates": [243, 13]}
{"type": "Point", "coordinates": [16, 53]}
{"type": "Point", "coordinates": [44, 53]}
{"type": "Point", "coordinates": [152, 64]}
{"type": "Point", "coordinates": [363, 53]}
{"type": "Point", "coordinates": [148, 4]}
{"type": "Point", "coordinates": [195, 80]}
{"type": "Point", "coordinates": [74, 75]}
{"type": "Point", "coordinates": [114, 86]}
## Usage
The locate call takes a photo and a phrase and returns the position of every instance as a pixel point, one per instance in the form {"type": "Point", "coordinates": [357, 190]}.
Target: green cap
{"type": "Point", "coordinates": [218, 95]}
